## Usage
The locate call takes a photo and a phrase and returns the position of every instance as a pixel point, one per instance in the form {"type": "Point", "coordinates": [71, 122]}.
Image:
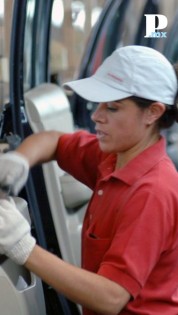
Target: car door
{"type": "Point", "coordinates": [21, 291]}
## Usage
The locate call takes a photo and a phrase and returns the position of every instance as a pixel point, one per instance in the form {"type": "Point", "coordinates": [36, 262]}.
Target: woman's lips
{"type": "Point", "coordinates": [100, 134]}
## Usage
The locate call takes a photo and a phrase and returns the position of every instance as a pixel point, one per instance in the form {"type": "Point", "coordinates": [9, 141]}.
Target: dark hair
{"type": "Point", "coordinates": [167, 119]}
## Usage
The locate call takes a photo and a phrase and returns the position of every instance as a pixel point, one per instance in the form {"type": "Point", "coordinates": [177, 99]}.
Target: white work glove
{"type": "Point", "coordinates": [14, 169]}
{"type": "Point", "coordinates": [16, 241]}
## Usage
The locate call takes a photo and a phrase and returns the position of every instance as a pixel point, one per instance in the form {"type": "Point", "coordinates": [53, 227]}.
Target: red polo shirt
{"type": "Point", "coordinates": [130, 230]}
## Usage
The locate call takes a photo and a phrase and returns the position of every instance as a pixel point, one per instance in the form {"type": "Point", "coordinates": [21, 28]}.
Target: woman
{"type": "Point", "coordinates": [130, 230]}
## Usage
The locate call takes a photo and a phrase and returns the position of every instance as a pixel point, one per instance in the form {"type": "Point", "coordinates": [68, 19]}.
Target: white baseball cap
{"type": "Point", "coordinates": [130, 71]}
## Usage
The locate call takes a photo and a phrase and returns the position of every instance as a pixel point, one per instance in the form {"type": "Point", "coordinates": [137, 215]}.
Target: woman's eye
{"type": "Point", "coordinates": [112, 109]}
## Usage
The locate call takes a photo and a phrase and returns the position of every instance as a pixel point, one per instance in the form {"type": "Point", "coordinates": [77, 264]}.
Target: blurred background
{"type": "Point", "coordinates": [71, 22]}
{"type": "Point", "coordinates": [44, 43]}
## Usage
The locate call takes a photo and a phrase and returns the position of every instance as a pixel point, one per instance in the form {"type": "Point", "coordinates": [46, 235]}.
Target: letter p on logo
{"type": "Point", "coordinates": [151, 23]}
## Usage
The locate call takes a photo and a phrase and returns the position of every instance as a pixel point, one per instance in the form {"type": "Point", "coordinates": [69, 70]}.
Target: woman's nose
{"type": "Point", "coordinates": [98, 115]}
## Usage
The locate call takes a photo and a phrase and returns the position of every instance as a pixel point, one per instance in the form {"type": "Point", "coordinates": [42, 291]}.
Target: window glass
{"type": "Point", "coordinates": [30, 12]}
{"type": "Point", "coordinates": [170, 48]}
{"type": "Point", "coordinates": [129, 27]}
{"type": "Point", "coordinates": [36, 43]}
{"type": "Point", "coordinates": [118, 29]}
{"type": "Point", "coordinates": [71, 23]}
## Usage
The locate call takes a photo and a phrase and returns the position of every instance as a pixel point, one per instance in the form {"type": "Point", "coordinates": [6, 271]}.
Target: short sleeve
{"type": "Point", "coordinates": [79, 155]}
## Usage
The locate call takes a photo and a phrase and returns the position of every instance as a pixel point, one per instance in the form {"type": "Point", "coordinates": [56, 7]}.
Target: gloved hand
{"type": "Point", "coordinates": [16, 241]}
{"type": "Point", "coordinates": [14, 169]}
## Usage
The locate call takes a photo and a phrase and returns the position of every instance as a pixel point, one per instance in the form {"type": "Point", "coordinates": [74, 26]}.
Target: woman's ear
{"type": "Point", "coordinates": [155, 111]}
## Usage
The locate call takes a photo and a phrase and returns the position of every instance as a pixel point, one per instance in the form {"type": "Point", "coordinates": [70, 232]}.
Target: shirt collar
{"type": "Point", "coordinates": [137, 167]}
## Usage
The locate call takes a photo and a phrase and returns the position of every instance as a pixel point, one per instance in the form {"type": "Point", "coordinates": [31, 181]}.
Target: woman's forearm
{"type": "Point", "coordinates": [40, 147]}
{"type": "Point", "coordinates": [80, 286]}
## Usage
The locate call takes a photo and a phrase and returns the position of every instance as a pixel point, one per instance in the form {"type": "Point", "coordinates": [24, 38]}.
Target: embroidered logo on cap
{"type": "Point", "coordinates": [114, 77]}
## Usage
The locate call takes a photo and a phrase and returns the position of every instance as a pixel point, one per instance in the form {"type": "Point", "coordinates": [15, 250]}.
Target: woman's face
{"type": "Point", "coordinates": [120, 126]}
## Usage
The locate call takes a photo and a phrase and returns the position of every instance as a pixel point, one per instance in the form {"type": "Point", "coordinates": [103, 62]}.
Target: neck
{"type": "Point", "coordinates": [124, 157]}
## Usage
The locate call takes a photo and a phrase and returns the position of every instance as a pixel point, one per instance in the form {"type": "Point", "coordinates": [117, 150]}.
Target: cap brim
{"type": "Point", "coordinates": [94, 90]}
